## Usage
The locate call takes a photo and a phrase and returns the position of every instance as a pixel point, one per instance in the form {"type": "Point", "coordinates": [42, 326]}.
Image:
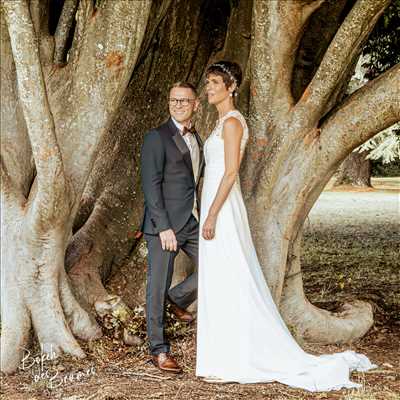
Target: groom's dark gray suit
{"type": "Point", "coordinates": [169, 187]}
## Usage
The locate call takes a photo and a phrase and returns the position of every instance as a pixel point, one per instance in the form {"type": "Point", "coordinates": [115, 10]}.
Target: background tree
{"type": "Point", "coordinates": [84, 80]}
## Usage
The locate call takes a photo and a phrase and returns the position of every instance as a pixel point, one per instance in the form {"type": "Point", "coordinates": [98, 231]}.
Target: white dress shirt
{"type": "Point", "coordinates": [194, 150]}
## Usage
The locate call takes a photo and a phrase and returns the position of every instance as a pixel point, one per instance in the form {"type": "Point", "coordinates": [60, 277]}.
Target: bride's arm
{"type": "Point", "coordinates": [232, 135]}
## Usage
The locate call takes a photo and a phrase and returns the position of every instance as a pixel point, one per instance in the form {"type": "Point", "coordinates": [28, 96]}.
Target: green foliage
{"type": "Point", "coordinates": [386, 170]}
{"type": "Point", "coordinates": [382, 52]}
{"type": "Point", "coordinates": [383, 46]}
{"type": "Point", "coordinates": [384, 146]}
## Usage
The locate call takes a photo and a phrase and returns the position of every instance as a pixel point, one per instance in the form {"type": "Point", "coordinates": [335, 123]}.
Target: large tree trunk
{"type": "Point", "coordinates": [300, 152]}
{"type": "Point", "coordinates": [355, 171]}
{"type": "Point", "coordinates": [62, 126]}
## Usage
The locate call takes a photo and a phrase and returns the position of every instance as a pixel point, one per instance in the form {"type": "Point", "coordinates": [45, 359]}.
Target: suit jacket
{"type": "Point", "coordinates": [167, 179]}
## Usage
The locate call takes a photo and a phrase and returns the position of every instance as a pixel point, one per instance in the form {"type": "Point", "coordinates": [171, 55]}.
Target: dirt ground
{"type": "Point", "coordinates": [351, 246]}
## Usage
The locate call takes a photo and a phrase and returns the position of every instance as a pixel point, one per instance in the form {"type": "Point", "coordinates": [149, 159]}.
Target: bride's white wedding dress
{"type": "Point", "coordinates": [241, 336]}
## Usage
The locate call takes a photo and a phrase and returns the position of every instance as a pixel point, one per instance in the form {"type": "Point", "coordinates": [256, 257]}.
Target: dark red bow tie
{"type": "Point", "coordinates": [187, 130]}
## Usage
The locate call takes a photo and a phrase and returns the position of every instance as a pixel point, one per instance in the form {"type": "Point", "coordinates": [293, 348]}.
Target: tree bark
{"type": "Point", "coordinates": [312, 323]}
{"type": "Point", "coordinates": [354, 171]}
{"type": "Point", "coordinates": [298, 156]}
{"type": "Point", "coordinates": [63, 29]}
{"type": "Point", "coordinates": [35, 287]}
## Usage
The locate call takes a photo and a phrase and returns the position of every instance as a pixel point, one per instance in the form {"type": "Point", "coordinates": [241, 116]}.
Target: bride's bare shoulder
{"type": "Point", "coordinates": [232, 128]}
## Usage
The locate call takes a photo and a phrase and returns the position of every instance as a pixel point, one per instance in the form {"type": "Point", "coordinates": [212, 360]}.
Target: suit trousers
{"type": "Point", "coordinates": [159, 276]}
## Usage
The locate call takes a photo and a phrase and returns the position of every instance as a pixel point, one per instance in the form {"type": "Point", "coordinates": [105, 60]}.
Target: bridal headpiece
{"type": "Point", "coordinates": [227, 71]}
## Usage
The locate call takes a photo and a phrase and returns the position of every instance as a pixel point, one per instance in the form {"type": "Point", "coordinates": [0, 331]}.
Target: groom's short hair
{"type": "Point", "coordinates": [184, 84]}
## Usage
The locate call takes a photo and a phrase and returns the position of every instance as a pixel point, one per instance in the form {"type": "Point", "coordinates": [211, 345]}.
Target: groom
{"type": "Point", "coordinates": [171, 164]}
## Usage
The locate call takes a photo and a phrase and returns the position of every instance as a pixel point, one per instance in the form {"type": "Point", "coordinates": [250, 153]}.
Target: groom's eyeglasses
{"type": "Point", "coordinates": [182, 102]}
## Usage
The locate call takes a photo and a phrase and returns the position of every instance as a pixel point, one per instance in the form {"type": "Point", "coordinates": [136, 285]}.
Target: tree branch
{"type": "Point", "coordinates": [366, 112]}
{"type": "Point", "coordinates": [277, 29]}
{"type": "Point", "coordinates": [63, 29]}
{"type": "Point", "coordinates": [39, 11]}
{"type": "Point", "coordinates": [16, 152]}
{"type": "Point", "coordinates": [83, 17]}
{"type": "Point", "coordinates": [33, 96]}
{"type": "Point", "coordinates": [343, 49]}
{"type": "Point", "coordinates": [310, 7]}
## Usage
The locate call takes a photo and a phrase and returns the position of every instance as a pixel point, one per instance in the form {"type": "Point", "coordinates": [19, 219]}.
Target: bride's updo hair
{"type": "Point", "coordinates": [229, 71]}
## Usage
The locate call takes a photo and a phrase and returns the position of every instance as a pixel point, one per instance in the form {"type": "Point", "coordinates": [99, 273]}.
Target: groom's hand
{"type": "Point", "coordinates": [168, 240]}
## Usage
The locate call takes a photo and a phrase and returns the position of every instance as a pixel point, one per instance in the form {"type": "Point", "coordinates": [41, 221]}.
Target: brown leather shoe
{"type": "Point", "coordinates": [180, 313]}
{"type": "Point", "coordinates": [165, 362]}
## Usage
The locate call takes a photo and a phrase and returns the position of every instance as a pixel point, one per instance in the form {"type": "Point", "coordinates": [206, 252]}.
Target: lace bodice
{"type": "Point", "coordinates": [220, 124]}
{"type": "Point", "coordinates": [214, 146]}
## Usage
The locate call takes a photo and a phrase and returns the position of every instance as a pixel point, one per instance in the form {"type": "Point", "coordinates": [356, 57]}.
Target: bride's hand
{"type": "Point", "coordinates": [209, 227]}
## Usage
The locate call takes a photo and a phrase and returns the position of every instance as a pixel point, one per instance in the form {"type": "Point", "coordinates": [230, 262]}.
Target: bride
{"type": "Point", "coordinates": [241, 336]}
